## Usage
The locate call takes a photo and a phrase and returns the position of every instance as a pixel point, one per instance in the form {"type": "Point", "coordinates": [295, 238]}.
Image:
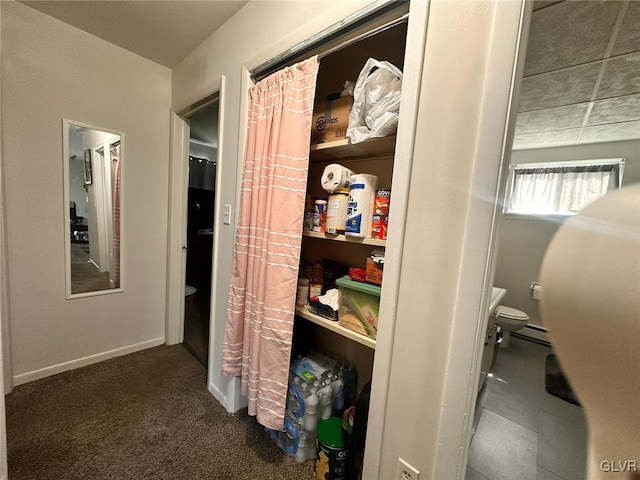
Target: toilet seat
{"type": "Point", "coordinates": [509, 313]}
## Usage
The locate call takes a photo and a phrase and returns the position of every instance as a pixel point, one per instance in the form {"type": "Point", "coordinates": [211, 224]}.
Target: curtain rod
{"type": "Point", "coordinates": [365, 35]}
{"type": "Point", "coordinates": [570, 163]}
{"type": "Point", "coordinates": [334, 32]}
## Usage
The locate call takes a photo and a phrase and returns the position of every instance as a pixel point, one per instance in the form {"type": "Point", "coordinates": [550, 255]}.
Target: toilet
{"type": "Point", "coordinates": [511, 320]}
{"type": "Point", "coordinates": [188, 300]}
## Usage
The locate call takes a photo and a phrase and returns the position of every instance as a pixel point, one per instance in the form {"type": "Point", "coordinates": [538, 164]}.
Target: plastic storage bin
{"type": "Point", "coordinates": [359, 306]}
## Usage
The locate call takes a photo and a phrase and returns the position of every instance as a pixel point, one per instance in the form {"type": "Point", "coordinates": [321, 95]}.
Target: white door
{"type": "Point", "coordinates": [177, 254]}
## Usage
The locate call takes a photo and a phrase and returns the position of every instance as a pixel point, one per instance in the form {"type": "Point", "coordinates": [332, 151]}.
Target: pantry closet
{"type": "Point", "coordinates": [374, 156]}
{"type": "Point", "coordinates": [326, 330]}
{"type": "Point", "coordinates": [340, 62]}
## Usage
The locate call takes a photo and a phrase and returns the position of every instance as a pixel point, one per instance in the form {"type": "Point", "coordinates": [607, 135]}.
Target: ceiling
{"type": "Point", "coordinates": [164, 31]}
{"type": "Point", "coordinates": [203, 127]}
{"type": "Point", "coordinates": [582, 74]}
{"type": "Point", "coordinates": [582, 70]}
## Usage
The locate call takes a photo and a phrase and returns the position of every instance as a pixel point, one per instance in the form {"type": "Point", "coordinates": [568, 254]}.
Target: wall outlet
{"type": "Point", "coordinates": [406, 471]}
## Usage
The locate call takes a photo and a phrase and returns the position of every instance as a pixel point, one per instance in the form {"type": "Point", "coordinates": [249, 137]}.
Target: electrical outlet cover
{"type": "Point", "coordinates": [406, 471]}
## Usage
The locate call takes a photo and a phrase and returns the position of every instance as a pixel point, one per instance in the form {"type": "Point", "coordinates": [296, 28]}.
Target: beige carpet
{"type": "Point", "coordinates": [147, 415]}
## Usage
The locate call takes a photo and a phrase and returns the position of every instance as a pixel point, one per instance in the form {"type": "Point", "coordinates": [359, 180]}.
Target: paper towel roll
{"type": "Point", "coordinates": [335, 176]}
{"type": "Point", "coordinates": [362, 194]}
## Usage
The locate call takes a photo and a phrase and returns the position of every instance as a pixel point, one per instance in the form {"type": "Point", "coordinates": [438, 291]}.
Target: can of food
{"type": "Point", "coordinates": [331, 460]}
{"type": "Point", "coordinates": [337, 211]}
{"type": "Point", "coordinates": [383, 200]}
{"type": "Point", "coordinates": [319, 216]}
{"type": "Point", "coordinates": [379, 226]}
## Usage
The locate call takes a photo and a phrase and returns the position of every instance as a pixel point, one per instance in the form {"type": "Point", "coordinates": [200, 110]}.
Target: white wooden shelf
{"type": "Point", "coordinates": [343, 149]}
{"type": "Point", "coordinates": [335, 327]}
{"type": "Point", "coordinates": [345, 238]}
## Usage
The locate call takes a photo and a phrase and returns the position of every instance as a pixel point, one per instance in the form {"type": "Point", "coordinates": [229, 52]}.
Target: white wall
{"type": "Point", "coordinates": [6, 383]}
{"type": "Point", "coordinates": [524, 240]}
{"type": "Point", "coordinates": [198, 75]}
{"type": "Point", "coordinates": [52, 71]}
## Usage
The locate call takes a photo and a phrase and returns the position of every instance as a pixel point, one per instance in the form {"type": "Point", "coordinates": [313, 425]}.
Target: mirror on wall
{"type": "Point", "coordinates": [92, 198]}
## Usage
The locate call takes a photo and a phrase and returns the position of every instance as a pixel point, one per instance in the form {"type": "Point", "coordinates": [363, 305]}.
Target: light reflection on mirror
{"type": "Point", "coordinates": [93, 166]}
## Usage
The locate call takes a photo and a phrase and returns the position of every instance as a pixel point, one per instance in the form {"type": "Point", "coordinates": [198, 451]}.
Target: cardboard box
{"type": "Point", "coordinates": [359, 306]}
{"type": "Point", "coordinates": [330, 120]}
{"type": "Point", "coordinates": [375, 267]}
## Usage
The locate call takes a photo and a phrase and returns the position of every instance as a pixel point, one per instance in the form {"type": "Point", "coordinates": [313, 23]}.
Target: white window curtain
{"type": "Point", "coordinates": [560, 190]}
{"type": "Point", "coordinates": [261, 302]}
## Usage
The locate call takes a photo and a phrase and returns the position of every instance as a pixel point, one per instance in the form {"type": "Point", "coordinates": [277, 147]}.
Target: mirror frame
{"type": "Point", "coordinates": [66, 124]}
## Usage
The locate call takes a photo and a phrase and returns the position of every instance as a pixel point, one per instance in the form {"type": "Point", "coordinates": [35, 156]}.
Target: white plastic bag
{"type": "Point", "coordinates": [376, 101]}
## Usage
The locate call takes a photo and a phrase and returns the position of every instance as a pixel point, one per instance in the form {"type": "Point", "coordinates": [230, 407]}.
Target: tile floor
{"type": "Point", "coordinates": [524, 433]}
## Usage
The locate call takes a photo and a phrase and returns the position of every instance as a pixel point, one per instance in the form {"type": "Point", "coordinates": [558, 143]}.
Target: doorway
{"type": "Point", "coordinates": [203, 153]}
{"type": "Point", "coordinates": [529, 422]}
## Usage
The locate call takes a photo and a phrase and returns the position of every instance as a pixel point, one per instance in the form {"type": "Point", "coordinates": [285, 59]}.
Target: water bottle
{"type": "Point", "coordinates": [337, 390]}
{"type": "Point", "coordinates": [289, 439]}
{"type": "Point", "coordinates": [295, 399]}
{"type": "Point", "coordinates": [310, 419]}
{"type": "Point", "coordinates": [306, 445]}
{"type": "Point", "coordinates": [323, 390]}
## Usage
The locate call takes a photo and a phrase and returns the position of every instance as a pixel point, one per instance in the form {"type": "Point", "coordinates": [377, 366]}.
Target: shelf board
{"type": "Point", "coordinates": [345, 238]}
{"type": "Point", "coordinates": [335, 327]}
{"type": "Point", "coordinates": [344, 149]}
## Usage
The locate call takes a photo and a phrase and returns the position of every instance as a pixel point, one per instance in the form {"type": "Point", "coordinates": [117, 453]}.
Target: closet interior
{"type": "Point", "coordinates": [314, 332]}
{"type": "Point", "coordinates": [374, 156]}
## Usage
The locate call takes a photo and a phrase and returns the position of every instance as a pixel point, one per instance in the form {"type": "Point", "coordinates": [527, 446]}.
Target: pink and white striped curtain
{"type": "Point", "coordinates": [261, 302]}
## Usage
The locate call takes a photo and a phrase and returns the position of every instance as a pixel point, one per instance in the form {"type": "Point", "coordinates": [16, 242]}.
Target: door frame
{"type": "Point", "coordinates": [177, 241]}
{"type": "Point", "coordinates": [177, 226]}
{"type": "Point", "coordinates": [505, 67]}
{"type": "Point", "coordinates": [177, 229]}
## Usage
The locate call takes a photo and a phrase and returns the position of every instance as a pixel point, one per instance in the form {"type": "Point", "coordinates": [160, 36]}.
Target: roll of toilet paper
{"type": "Point", "coordinates": [362, 195]}
{"type": "Point", "coordinates": [335, 176]}
{"type": "Point", "coordinates": [536, 291]}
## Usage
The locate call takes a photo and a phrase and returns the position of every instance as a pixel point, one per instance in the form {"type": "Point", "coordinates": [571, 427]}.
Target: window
{"type": "Point", "coordinates": [561, 188]}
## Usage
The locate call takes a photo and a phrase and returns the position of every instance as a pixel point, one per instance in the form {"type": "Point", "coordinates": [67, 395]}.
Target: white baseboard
{"type": "Point", "coordinates": [83, 362]}
{"type": "Point", "coordinates": [231, 402]}
{"type": "Point", "coordinates": [218, 395]}
{"type": "Point", "coordinates": [533, 332]}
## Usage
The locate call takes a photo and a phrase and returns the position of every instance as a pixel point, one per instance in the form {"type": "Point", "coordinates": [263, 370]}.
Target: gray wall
{"type": "Point", "coordinates": [51, 71]}
{"type": "Point", "coordinates": [524, 240]}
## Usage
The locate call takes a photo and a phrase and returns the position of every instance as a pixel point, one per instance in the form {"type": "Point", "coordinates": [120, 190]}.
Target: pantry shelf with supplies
{"type": "Point", "coordinates": [343, 149]}
{"type": "Point", "coordinates": [334, 326]}
{"type": "Point", "coordinates": [344, 238]}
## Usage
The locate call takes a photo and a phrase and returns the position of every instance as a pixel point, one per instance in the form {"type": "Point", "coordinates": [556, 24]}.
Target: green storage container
{"type": "Point", "coordinates": [359, 306]}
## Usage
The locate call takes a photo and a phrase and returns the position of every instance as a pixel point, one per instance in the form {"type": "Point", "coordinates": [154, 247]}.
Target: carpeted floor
{"type": "Point", "coordinates": [85, 277]}
{"type": "Point", "coordinates": [147, 415]}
